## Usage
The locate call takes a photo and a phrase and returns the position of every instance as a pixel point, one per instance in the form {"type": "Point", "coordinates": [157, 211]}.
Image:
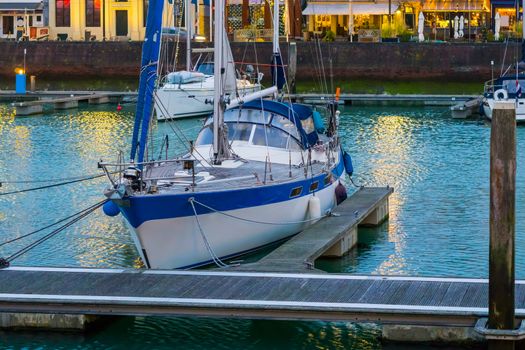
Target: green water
{"type": "Point", "coordinates": [438, 223]}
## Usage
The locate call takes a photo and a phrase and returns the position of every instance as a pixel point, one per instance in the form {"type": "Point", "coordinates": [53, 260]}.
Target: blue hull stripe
{"type": "Point", "coordinates": [157, 207]}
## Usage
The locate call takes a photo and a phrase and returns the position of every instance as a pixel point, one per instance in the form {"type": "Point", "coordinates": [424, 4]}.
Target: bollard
{"type": "Point", "coordinates": [20, 86]}
{"type": "Point", "coordinates": [32, 83]}
{"type": "Point", "coordinates": [502, 221]}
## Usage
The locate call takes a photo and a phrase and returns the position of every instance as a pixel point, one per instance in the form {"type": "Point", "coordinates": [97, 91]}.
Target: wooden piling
{"type": "Point", "coordinates": [292, 66]}
{"type": "Point", "coordinates": [502, 221]}
{"type": "Point", "coordinates": [32, 84]}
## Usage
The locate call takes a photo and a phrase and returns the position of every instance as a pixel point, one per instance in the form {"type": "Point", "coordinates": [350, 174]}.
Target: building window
{"type": "Point", "coordinates": [63, 10]}
{"type": "Point", "coordinates": [92, 13]}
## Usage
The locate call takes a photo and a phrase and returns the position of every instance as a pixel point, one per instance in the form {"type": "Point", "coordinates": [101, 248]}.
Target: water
{"type": "Point", "coordinates": [438, 223]}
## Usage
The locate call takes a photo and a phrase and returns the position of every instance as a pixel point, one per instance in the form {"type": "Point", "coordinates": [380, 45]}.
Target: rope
{"type": "Point", "coordinates": [53, 185]}
{"type": "Point", "coordinates": [214, 257]}
{"type": "Point", "coordinates": [47, 180]}
{"type": "Point", "coordinates": [354, 184]}
{"type": "Point", "coordinates": [46, 227]}
{"type": "Point", "coordinates": [256, 221]}
{"type": "Point", "coordinates": [5, 262]}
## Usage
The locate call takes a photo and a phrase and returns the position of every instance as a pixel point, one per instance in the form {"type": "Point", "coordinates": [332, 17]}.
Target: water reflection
{"type": "Point", "coordinates": [438, 215]}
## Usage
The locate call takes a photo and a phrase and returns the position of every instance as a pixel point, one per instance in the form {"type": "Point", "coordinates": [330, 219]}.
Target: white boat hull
{"type": "Point", "coordinates": [178, 243]}
{"type": "Point", "coordinates": [190, 100]}
{"type": "Point", "coordinates": [488, 106]}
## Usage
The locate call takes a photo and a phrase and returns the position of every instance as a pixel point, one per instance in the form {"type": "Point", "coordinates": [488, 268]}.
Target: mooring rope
{"type": "Point", "coordinates": [192, 200]}
{"type": "Point", "coordinates": [48, 180]}
{"type": "Point", "coordinates": [53, 185]}
{"type": "Point", "coordinates": [47, 226]}
{"type": "Point", "coordinates": [214, 256]}
{"type": "Point", "coordinates": [5, 262]}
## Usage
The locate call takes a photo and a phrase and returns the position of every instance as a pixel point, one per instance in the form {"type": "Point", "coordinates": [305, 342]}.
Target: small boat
{"type": "Point", "coordinates": [260, 170]}
{"type": "Point", "coordinates": [466, 109]}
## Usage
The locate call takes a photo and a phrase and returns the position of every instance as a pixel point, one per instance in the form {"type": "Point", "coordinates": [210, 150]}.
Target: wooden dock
{"type": "Point", "coordinates": [332, 236]}
{"type": "Point", "coordinates": [448, 302]}
{"type": "Point", "coordinates": [62, 100]}
{"type": "Point", "coordinates": [385, 99]}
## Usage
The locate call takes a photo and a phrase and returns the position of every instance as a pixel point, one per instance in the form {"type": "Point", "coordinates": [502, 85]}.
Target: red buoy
{"type": "Point", "coordinates": [119, 107]}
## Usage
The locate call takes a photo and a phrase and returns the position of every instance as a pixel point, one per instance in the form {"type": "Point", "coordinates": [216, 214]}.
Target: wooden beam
{"type": "Point", "coordinates": [502, 221]}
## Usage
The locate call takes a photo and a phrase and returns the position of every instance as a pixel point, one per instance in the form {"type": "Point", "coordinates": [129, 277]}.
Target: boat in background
{"type": "Point", "coordinates": [508, 87]}
{"type": "Point", "coordinates": [188, 93]}
{"type": "Point", "coordinates": [260, 170]}
{"type": "Point", "coordinates": [505, 88]}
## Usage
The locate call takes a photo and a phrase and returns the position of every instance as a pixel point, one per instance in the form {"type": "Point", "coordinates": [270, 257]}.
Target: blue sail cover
{"type": "Point", "coordinates": [148, 76]}
{"type": "Point", "coordinates": [295, 112]}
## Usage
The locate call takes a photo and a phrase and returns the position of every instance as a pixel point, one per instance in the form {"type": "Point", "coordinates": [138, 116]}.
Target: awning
{"type": "Point", "coordinates": [343, 8]}
{"type": "Point", "coordinates": [21, 6]}
{"type": "Point", "coordinates": [451, 6]}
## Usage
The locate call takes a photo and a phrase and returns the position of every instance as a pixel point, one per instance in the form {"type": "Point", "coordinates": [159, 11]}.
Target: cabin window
{"type": "Point", "coordinates": [308, 125]}
{"type": "Point", "coordinates": [247, 115]}
{"type": "Point", "coordinates": [314, 186]}
{"type": "Point", "coordinates": [296, 191]}
{"type": "Point", "coordinates": [205, 137]}
{"type": "Point", "coordinates": [239, 131]}
{"type": "Point", "coordinates": [285, 124]}
{"type": "Point", "coordinates": [275, 137]}
{"type": "Point", "coordinates": [510, 85]}
{"type": "Point", "coordinates": [328, 179]}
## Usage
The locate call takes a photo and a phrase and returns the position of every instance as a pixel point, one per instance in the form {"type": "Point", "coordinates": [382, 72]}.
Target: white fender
{"type": "Point", "coordinates": [314, 208]}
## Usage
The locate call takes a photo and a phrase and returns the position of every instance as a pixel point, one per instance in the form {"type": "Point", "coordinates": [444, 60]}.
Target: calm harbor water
{"type": "Point", "coordinates": [438, 223]}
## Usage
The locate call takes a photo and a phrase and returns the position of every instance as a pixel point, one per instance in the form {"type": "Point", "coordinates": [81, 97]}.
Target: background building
{"type": "Point", "coordinates": [22, 18]}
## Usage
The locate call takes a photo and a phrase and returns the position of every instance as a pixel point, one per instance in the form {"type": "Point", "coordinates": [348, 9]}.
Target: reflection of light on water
{"type": "Point", "coordinates": [22, 141]}
{"type": "Point", "coordinates": [392, 134]}
{"type": "Point", "coordinates": [103, 131]}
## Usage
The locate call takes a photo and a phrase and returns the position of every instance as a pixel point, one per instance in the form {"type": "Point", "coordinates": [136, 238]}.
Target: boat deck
{"type": "Point", "coordinates": [249, 173]}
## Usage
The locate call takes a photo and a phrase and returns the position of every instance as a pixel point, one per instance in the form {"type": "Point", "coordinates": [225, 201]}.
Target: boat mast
{"type": "Point", "coordinates": [523, 31]}
{"type": "Point", "coordinates": [189, 21]}
{"type": "Point", "coordinates": [220, 142]}
{"type": "Point", "coordinates": [277, 61]}
{"type": "Point", "coordinates": [276, 26]}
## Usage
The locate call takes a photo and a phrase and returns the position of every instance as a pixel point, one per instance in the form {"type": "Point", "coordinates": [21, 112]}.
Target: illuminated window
{"type": "Point", "coordinates": [63, 13]}
{"type": "Point", "coordinates": [92, 13]}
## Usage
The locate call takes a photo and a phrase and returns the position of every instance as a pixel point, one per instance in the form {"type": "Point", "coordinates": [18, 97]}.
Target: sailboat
{"type": "Point", "coordinates": [188, 93]}
{"type": "Point", "coordinates": [260, 170]}
{"type": "Point", "coordinates": [509, 86]}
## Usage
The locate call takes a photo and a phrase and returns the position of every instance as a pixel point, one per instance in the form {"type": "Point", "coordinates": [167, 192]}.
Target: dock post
{"type": "Point", "coordinates": [32, 84]}
{"type": "Point", "coordinates": [502, 221]}
{"type": "Point", "coordinates": [292, 65]}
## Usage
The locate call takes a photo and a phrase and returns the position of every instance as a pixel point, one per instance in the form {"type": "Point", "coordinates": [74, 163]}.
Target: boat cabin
{"type": "Point", "coordinates": [505, 87]}
{"type": "Point", "coordinates": [280, 125]}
